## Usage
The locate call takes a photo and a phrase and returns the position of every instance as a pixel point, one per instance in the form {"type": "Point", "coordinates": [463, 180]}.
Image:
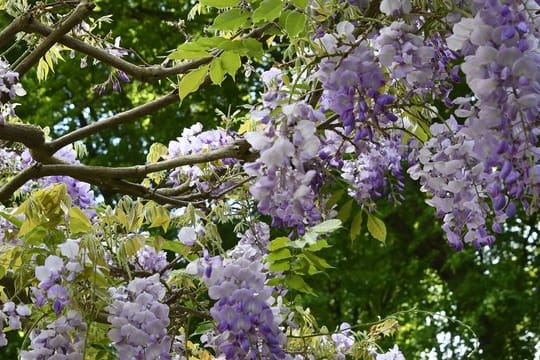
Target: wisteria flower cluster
{"type": "Point", "coordinates": [64, 338]}
{"type": "Point", "coordinates": [288, 147]}
{"type": "Point", "coordinates": [10, 88]}
{"type": "Point", "coordinates": [352, 82]}
{"type": "Point", "coordinates": [12, 315]}
{"type": "Point", "coordinates": [139, 320]}
{"type": "Point", "coordinates": [247, 316]}
{"type": "Point", "coordinates": [147, 259]}
{"type": "Point", "coordinates": [422, 65]}
{"type": "Point", "coordinates": [479, 170]}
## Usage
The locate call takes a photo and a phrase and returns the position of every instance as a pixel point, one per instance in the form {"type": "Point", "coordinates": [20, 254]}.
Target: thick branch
{"type": "Point", "coordinates": [112, 179]}
{"type": "Point", "coordinates": [78, 14]}
{"type": "Point", "coordinates": [17, 25]}
{"type": "Point", "coordinates": [123, 117]}
{"type": "Point", "coordinates": [142, 73]}
{"type": "Point", "coordinates": [29, 135]}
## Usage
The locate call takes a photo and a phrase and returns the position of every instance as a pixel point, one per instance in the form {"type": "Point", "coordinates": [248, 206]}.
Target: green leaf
{"type": "Point", "coordinates": [78, 221]}
{"type": "Point", "coordinates": [334, 199]}
{"type": "Point", "coordinates": [345, 211]}
{"type": "Point", "coordinates": [219, 3]}
{"type": "Point", "coordinates": [12, 219]}
{"type": "Point", "coordinates": [319, 245]}
{"type": "Point", "coordinates": [280, 254]}
{"type": "Point", "coordinates": [279, 266]}
{"type": "Point", "coordinates": [319, 262]}
{"type": "Point", "coordinates": [231, 62]}
{"type": "Point", "coordinates": [157, 151]}
{"type": "Point", "coordinates": [268, 10]}
{"type": "Point", "coordinates": [278, 243]}
{"type": "Point", "coordinates": [295, 23]}
{"type": "Point", "coordinates": [174, 246]}
{"type": "Point", "coordinates": [300, 4]}
{"type": "Point", "coordinates": [327, 226]}
{"type": "Point", "coordinates": [297, 283]}
{"type": "Point", "coordinates": [231, 20]}
{"type": "Point", "coordinates": [189, 51]}
{"type": "Point", "coordinates": [376, 228]}
{"type": "Point", "coordinates": [217, 74]}
{"type": "Point", "coordinates": [253, 48]}
{"type": "Point", "coordinates": [356, 226]}
{"type": "Point", "coordinates": [192, 81]}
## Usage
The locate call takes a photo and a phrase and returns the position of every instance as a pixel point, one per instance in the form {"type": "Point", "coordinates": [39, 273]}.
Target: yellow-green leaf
{"type": "Point", "coordinates": [356, 226]}
{"type": "Point", "coordinates": [278, 243]}
{"type": "Point", "coordinates": [231, 20]}
{"type": "Point", "coordinates": [217, 74]}
{"type": "Point", "coordinates": [295, 23]}
{"type": "Point", "coordinates": [230, 61]}
{"type": "Point", "coordinates": [219, 3]}
{"type": "Point", "coordinates": [78, 221]}
{"type": "Point", "coordinates": [268, 10]}
{"type": "Point", "coordinates": [376, 228]}
{"type": "Point", "coordinates": [192, 81]}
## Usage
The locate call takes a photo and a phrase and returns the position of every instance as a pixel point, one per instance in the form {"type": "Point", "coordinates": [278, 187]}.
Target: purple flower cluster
{"type": "Point", "coordinates": [285, 185]}
{"type": "Point", "coordinates": [343, 340]}
{"type": "Point", "coordinates": [352, 80]}
{"type": "Point", "coordinates": [147, 259]}
{"type": "Point", "coordinates": [245, 311]}
{"type": "Point", "coordinates": [139, 320]}
{"type": "Point", "coordinates": [195, 141]}
{"type": "Point", "coordinates": [421, 65]}
{"type": "Point", "coordinates": [493, 157]}
{"type": "Point", "coordinates": [49, 287]}
{"type": "Point", "coordinates": [12, 314]}
{"type": "Point", "coordinates": [9, 87]}
{"type": "Point", "coordinates": [62, 339]}
{"type": "Point", "coordinates": [54, 273]}
{"type": "Point", "coordinates": [376, 170]}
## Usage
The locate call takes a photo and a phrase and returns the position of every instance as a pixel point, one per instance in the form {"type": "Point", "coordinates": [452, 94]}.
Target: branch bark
{"type": "Point", "coordinates": [16, 26]}
{"type": "Point", "coordinates": [142, 73]}
{"type": "Point", "coordinates": [117, 119]}
{"type": "Point", "coordinates": [77, 15]}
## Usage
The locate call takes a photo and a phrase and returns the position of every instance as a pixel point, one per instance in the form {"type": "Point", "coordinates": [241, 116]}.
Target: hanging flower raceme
{"type": "Point", "coordinates": [246, 314]}
{"type": "Point", "coordinates": [139, 320]}
{"type": "Point", "coordinates": [479, 170]}
{"type": "Point", "coordinates": [10, 88]}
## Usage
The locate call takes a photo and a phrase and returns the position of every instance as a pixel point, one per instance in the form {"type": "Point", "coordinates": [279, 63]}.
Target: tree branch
{"type": "Point", "coordinates": [113, 179]}
{"type": "Point", "coordinates": [29, 135]}
{"type": "Point", "coordinates": [123, 117]}
{"type": "Point", "coordinates": [239, 150]}
{"type": "Point", "coordinates": [78, 14]}
{"type": "Point", "coordinates": [16, 26]}
{"type": "Point", "coordinates": [142, 73]}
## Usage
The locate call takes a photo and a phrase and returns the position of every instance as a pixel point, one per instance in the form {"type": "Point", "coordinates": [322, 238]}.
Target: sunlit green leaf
{"type": "Point", "coordinates": [192, 81]}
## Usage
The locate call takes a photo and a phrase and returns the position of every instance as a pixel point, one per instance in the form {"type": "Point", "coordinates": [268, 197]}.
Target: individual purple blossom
{"type": "Point", "coordinates": [395, 7]}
